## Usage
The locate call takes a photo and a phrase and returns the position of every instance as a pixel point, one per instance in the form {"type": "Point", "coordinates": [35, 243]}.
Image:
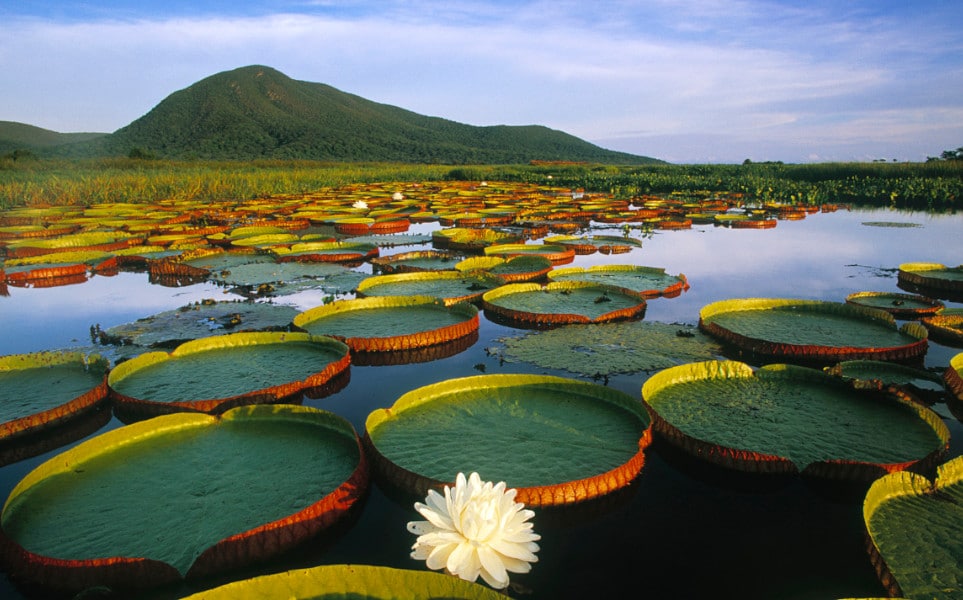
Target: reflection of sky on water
{"type": "Point", "coordinates": [824, 256]}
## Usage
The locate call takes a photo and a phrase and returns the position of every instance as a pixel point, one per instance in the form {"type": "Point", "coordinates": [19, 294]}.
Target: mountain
{"type": "Point", "coordinates": [259, 112]}
{"type": "Point", "coordinates": [19, 136]}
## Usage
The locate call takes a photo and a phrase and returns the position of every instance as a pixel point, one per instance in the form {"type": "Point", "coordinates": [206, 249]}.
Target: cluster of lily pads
{"type": "Point", "coordinates": [214, 389]}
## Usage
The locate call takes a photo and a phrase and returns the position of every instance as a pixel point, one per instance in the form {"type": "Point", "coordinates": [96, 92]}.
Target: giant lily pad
{"type": "Point", "coordinates": [182, 495]}
{"type": "Point", "coordinates": [422, 260]}
{"type": "Point", "coordinates": [812, 330]}
{"type": "Point", "coordinates": [516, 269]}
{"type": "Point", "coordinates": [611, 348]}
{"type": "Point", "coordinates": [557, 253]}
{"type": "Point", "coordinates": [933, 276]}
{"type": "Point", "coordinates": [879, 374]}
{"type": "Point", "coordinates": [559, 303]}
{"type": "Point", "coordinates": [200, 320]}
{"type": "Point", "coordinates": [946, 327]}
{"type": "Point", "coordinates": [341, 252]}
{"type": "Point", "coordinates": [789, 419]}
{"type": "Point", "coordinates": [331, 582]}
{"type": "Point", "coordinates": [649, 281]}
{"type": "Point", "coordinates": [916, 532]}
{"type": "Point", "coordinates": [390, 323]}
{"type": "Point", "coordinates": [449, 286]}
{"type": "Point", "coordinates": [217, 373]}
{"type": "Point", "coordinates": [43, 389]}
{"type": "Point", "coordinates": [901, 306]}
{"type": "Point", "coordinates": [556, 440]}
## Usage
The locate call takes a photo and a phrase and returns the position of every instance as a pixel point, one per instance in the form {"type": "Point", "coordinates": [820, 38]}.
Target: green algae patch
{"type": "Point", "coordinates": [915, 530]}
{"type": "Point", "coordinates": [786, 418]}
{"type": "Point", "coordinates": [649, 281]}
{"type": "Point", "coordinates": [345, 582]}
{"type": "Point", "coordinates": [812, 330]}
{"type": "Point", "coordinates": [390, 323]}
{"type": "Point", "coordinates": [43, 389]}
{"type": "Point", "coordinates": [559, 303]}
{"type": "Point", "coordinates": [217, 373]}
{"type": "Point", "coordinates": [449, 286]}
{"type": "Point", "coordinates": [182, 495]}
{"type": "Point", "coordinates": [199, 320]}
{"type": "Point", "coordinates": [556, 440]}
{"type": "Point", "coordinates": [612, 348]}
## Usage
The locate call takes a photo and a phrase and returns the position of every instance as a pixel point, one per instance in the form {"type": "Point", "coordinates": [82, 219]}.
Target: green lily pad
{"type": "Point", "coordinates": [390, 323]}
{"type": "Point", "coordinates": [812, 330]}
{"type": "Point", "coordinates": [556, 440]}
{"type": "Point", "coordinates": [394, 239]}
{"type": "Point", "coordinates": [612, 348]}
{"type": "Point", "coordinates": [901, 306]}
{"type": "Point", "coordinates": [43, 389]}
{"type": "Point", "coordinates": [216, 373]}
{"type": "Point", "coordinates": [916, 532]}
{"type": "Point", "coordinates": [786, 418]}
{"type": "Point", "coordinates": [879, 374]}
{"type": "Point", "coordinates": [200, 320]}
{"type": "Point", "coordinates": [347, 582]}
{"type": "Point", "coordinates": [649, 281]}
{"type": "Point", "coordinates": [182, 495]}
{"type": "Point", "coordinates": [946, 327]}
{"type": "Point", "coordinates": [423, 260]}
{"type": "Point", "coordinates": [933, 276]}
{"type": "Point", "coordinates": [255, 274]}
{"type": "Point", "coordinates": [558, 303]}
{"type": "Point", "coordinates": [448, 286]}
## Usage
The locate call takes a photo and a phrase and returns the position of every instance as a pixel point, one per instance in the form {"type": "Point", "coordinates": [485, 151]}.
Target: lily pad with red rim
{"type": "Point", "coordinates": [651, 282]}
{"type": "Point", "coordinates": [915, 529]}
{"type": "Point", "coordinates": [182, 495]}
{"type": "Point", "coordinates": [558, 441]}
{"type": "Point", "coordinates": [450, 287]}
{"type": "Point", "coordinates": [218, 373]}
{"type": "Point", "coordinates": [560, 303]}
{"type": "Point", "coordinates": [791, 419]}
{"type": "Point", "coordinates": [391, 323]}
{"type": "Point", "coordinates": [901, 306]}
{"type": "Point", "coordinates": [42, 389]}
{"type": "Point", "coordinates": [812, 331]}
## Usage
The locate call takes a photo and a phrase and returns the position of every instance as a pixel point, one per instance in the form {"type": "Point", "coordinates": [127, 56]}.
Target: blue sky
{"type": "Point", "coordinates": [690, 81]}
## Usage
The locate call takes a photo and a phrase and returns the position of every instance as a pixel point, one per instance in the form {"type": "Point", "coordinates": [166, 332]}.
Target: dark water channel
{"type": "Point", "coordinates": [681, 531]}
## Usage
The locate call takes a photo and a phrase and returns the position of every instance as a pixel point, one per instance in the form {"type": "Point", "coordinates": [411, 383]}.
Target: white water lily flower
{"type": "Point", "coordinates": [360, 204]}
{"type": "Point", "coordinates": [475, 529]}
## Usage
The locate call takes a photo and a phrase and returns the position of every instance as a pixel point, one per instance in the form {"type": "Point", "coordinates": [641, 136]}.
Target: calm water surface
{"type": "Point", "coordinates": [680, 531]}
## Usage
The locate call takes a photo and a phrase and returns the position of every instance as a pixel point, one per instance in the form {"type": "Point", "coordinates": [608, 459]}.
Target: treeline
{"type": "Point", "coordinates": [25, 181]}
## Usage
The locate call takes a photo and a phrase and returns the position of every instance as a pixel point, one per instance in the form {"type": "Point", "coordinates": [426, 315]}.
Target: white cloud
{"type": "Point", "coordinates": [798, 82]}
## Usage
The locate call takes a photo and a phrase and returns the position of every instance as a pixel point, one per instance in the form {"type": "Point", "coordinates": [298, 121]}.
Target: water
{"type": "Point", "coordinates": [680, 531]}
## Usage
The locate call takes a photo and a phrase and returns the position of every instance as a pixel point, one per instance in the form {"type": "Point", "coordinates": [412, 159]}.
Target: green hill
{"type": "Point", "coordinates": [258, 112]}
{"type": "Point", "coordinates": [19, 136]}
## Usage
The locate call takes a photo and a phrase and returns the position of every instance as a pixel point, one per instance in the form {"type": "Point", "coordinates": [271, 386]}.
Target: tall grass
{"type": "Point", "coordinates": [936, 186]}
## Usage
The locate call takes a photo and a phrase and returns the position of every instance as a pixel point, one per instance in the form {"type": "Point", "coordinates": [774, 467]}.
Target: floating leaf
{"type": "Point", "coordinates": [182, 495]}
{"type": "Point", "coordinates": [787, 419]}
{"type": "Point", "coordinates": [217, 373]}
{"type": "Point", "coordinates": [915, 529]}
{"type": "Point", "coordinates": [556, 440]}
{"type": "Point", "coordinates": [530, 304]}
{"type": "Point", "coordinates": [611, 348]}
{"type": "Point", "coordinates": [333, 582]}
{"type": "Point", "coordinates": [649, 281]}
{"type": "Point", "coordinates": [200, 320]}
{"type": "Point", "coordinates": [811, 330]}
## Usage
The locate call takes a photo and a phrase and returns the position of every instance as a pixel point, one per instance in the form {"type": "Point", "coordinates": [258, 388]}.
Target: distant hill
{"type": "Point", "coordinates": [258, 112]}
{"type": "Point", "coordinates": [19, 136]}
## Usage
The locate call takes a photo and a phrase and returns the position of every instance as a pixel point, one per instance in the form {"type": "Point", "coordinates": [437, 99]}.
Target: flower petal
{"type": "Point", "coordinates": [492, 568]}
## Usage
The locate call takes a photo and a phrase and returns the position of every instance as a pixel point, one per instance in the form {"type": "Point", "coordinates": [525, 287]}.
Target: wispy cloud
{"type": "Point", "coordinates": [645, 77]}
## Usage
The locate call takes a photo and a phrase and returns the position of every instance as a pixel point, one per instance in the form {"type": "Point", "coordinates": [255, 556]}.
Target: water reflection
{"type": "Point", "coordinates": [679, 533]}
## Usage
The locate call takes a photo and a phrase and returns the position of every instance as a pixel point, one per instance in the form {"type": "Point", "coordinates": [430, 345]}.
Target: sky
{"type": "Point", "coordinates": [686, 81]}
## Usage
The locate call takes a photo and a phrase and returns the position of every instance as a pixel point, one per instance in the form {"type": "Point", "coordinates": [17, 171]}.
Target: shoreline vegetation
{"type": "Point", "coordinates": [935, 186]}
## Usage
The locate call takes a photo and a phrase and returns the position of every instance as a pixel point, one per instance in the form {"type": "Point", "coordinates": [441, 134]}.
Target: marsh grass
{"type": "Point", "coordinates": [934, 186]}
